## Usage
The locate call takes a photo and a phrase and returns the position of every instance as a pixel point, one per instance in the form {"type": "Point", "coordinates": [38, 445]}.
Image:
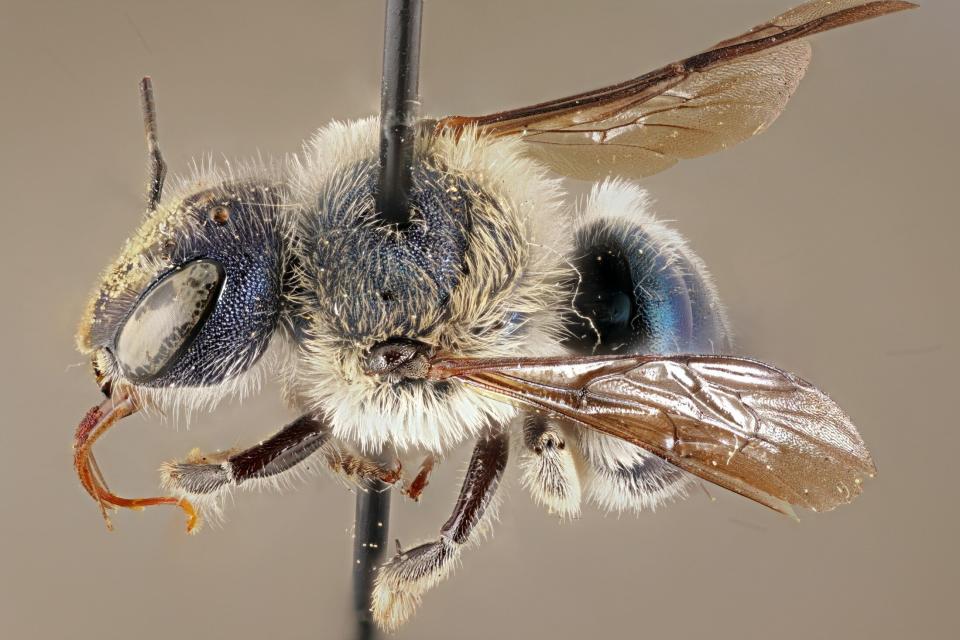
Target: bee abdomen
{"type": "Point", "coordinates": [640, 288]}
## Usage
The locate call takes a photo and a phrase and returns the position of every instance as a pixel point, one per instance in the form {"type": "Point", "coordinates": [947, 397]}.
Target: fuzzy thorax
{"type": "Point", "coordinates": [477, 274]}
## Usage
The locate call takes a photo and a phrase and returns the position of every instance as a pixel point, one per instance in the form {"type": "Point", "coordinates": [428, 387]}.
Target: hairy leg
{"type": "Point", "coordinates": [205, 478]}
{"type": "Point", "coordinates": [402, 581]}
{"type": "Point", "coordinates": [355, 468]}
{"type": "Point", "coordinates": [549, 465]}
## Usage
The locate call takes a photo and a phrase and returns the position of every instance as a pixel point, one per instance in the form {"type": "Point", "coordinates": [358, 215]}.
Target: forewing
{"type": "Point", "coordinates": [738, 423]}
{"type": "Point", "coordinates": [690, 108]}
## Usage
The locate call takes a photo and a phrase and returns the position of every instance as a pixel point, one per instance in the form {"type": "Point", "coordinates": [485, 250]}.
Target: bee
{"type": "Point", "coordinates": [591, 339]}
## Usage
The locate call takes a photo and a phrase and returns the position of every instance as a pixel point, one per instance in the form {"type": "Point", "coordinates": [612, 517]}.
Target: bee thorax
{"type": "Point", "coordinates": [473, 275]}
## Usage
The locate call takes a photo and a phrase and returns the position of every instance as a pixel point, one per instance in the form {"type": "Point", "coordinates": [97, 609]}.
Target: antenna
{"type": "Point", "coordinates": [158, 168]}
{"type": "Point", "coordinates": [399, 107]}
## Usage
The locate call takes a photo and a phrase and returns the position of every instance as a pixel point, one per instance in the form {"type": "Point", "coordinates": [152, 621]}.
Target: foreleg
{"type": "Point", "coordinates": [203, 477]}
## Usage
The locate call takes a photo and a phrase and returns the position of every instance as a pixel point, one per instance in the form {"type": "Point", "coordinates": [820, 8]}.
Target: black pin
{"type": "Point", "coordinates": [399, 108]}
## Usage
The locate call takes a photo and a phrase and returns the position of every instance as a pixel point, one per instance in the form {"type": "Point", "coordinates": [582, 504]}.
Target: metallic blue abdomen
{"type": "Point", "coordinates": [641, 290]}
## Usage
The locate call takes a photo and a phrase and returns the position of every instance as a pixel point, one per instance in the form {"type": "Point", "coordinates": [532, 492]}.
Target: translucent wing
{"type": "Point", "coordinates": [690, 108]}
{"type": "Point", "coordinates": [738, 423]}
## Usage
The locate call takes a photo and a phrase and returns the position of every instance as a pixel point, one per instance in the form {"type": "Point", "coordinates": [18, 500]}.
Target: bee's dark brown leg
{"type": "Point", "coordinates": [203, 477]}
{"type": "Point", "coordinates": [402, 581]}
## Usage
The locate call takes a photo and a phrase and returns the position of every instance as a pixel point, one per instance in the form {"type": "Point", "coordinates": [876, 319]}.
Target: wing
{"type": "Point", "coordinates": [738, 423]}
{"type": "Point", "coordinates": [690, 108]}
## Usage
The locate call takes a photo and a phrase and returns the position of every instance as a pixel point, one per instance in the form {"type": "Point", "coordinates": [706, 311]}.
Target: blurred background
{"type": "Point", "coordinates": [832, 238]}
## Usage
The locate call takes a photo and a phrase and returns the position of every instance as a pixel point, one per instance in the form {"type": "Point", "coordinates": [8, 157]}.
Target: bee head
{"type": "Point", "coordinates": [194, 297]}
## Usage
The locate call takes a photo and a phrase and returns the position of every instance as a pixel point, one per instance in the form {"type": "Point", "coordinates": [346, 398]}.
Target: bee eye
{"type": "Point", "coordinates": [201, 302]}
{"type": "Point", "coordinates": [167, 318]}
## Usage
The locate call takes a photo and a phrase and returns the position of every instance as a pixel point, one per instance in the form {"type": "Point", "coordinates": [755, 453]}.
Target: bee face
{"type": "Point", "coordinates": [194, 297]}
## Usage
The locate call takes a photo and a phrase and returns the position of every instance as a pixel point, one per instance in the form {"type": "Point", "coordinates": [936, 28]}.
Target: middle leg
{"type": "Point", "coordinates": [402, 581]}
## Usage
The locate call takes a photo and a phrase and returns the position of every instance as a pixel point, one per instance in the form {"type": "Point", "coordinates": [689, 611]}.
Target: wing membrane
{"type": "Point", "coordinates": [738, 423]}
{"type": "Point", "coordinates": [841, 12]}
{"type": "Point", "coordinates": [690, 108]}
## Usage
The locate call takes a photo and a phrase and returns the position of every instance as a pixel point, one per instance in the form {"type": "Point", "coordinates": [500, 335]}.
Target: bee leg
{"type": "Point", "coordinates": [205, 478]}
{"type": "Point", "coordinates": [623, 477]}
{"type": "Point", "coordinates": [402, 581]}
{"type": "Point", "coordinates": [549, 465]}
{"type": "Point", "coordinates": [356, 469]}
{"type": "Point", "coordinates": [415, 488]}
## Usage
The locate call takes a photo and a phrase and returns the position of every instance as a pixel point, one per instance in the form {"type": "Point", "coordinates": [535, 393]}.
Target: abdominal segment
{"type": "Point", "coordinates": [640, 289]}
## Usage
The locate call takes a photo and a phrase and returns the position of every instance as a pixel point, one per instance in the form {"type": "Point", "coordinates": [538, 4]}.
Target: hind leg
{"type": "Point", "coordinates": [641, 289]}
{"type": "Point", "coordinates": [549, 464]}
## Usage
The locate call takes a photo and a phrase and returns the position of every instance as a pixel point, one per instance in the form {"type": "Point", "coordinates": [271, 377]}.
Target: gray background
{"type": "Point", "coordinates": [831, 237]}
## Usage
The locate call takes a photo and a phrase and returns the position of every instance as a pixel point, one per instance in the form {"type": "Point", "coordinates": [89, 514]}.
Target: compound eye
{"type": "Point", "coordinates": [167, 319]}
